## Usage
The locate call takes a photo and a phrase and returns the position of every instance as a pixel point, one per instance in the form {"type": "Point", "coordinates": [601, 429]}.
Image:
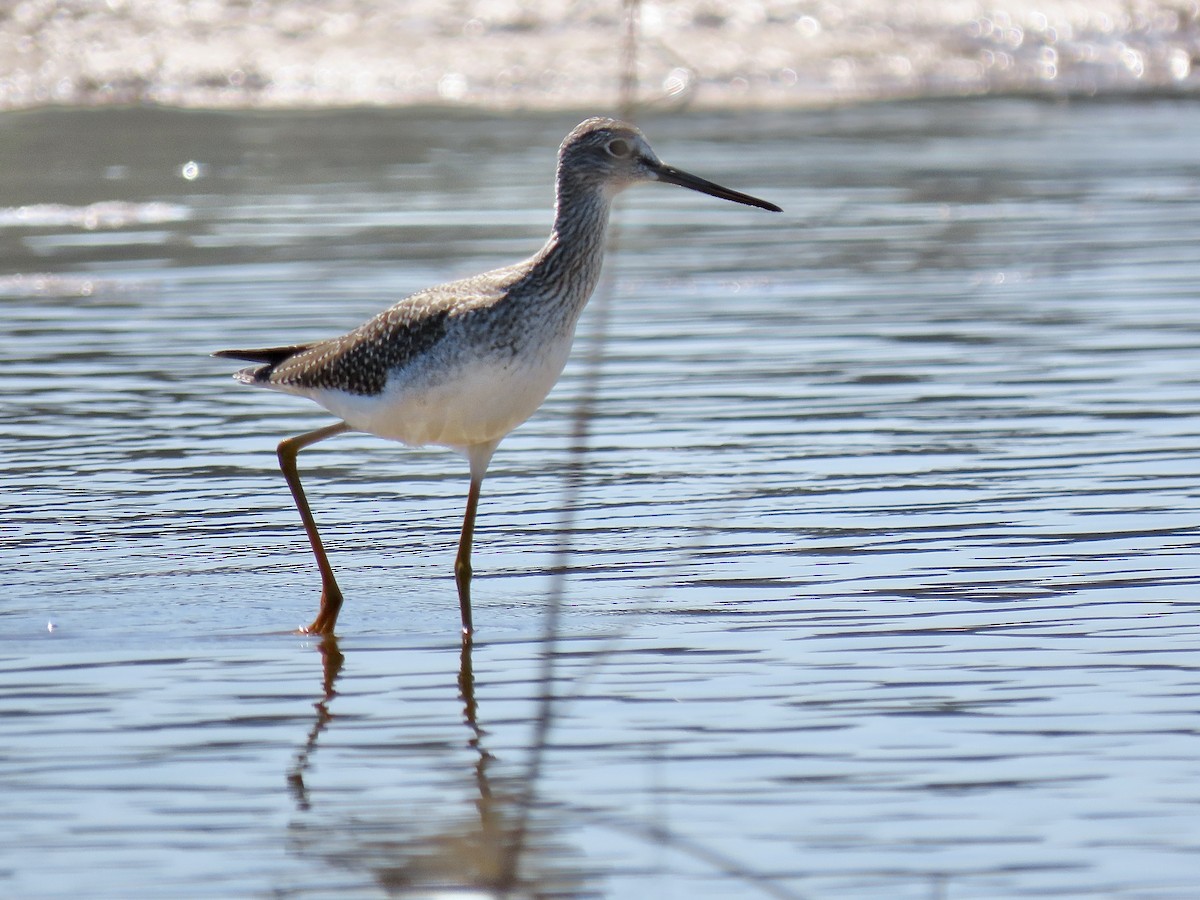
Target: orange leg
{"type": "Point", "coordinates": [331, 594]}
{"type": "Point", "coordinates": [462, 563]}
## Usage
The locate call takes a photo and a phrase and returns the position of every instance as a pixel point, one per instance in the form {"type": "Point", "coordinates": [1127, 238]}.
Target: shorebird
{"type": "Point", "coordinates": [462, 364]}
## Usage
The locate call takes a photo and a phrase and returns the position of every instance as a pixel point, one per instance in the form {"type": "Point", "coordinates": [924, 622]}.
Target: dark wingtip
{"type": "Point", "coordinates": [271, 355]}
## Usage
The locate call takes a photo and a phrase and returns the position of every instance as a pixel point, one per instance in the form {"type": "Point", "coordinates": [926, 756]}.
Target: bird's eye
{"type": "Point", "coordinates": [619, 148]}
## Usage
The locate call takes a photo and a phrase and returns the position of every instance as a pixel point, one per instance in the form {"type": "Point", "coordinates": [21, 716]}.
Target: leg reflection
{"type": "Point", "coordinates": [432, 841]}
{"type": "Point", "coordinates": [332, 660]}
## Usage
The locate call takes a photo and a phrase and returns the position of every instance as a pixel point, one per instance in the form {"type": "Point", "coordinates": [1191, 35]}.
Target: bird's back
{"type": "Point", "coordinates": [361, 360]}
{"type": "Point", "coordinates": [456, 364]}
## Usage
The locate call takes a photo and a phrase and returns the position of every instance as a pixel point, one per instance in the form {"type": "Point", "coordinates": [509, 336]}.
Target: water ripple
{"type": "Point", "coordinates": [885, 552]}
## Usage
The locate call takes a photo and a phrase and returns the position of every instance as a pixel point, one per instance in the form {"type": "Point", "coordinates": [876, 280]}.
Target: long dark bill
{"type": "Point", "coordinates": [671, 175]}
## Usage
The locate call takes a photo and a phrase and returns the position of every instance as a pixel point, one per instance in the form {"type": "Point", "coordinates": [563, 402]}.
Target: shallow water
{"type": "Point", "coordinates": [882, 575]}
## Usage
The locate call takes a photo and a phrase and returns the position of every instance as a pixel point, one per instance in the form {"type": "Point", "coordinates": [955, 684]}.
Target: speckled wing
{"type": "Point", "coordinates": [360, 361]}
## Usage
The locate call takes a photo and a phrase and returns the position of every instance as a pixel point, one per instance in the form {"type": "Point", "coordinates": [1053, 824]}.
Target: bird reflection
{"type": "Point", "coordinates": [332, 660]}
{"type": "Point", "coordinates": [489, 818]}
{"type": "Point", "coordinates": [406, 850]}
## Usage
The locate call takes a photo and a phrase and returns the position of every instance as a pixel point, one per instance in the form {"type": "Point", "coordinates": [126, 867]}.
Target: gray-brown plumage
{"type": "Point", "coordinates": [462, 364]}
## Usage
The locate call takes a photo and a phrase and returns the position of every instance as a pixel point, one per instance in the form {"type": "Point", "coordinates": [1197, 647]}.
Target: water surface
{"type": "Point", "coordinates": [882, 571]}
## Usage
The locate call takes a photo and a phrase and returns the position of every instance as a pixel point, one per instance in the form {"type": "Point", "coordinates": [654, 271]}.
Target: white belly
{"type": "Point", "coordinates": [477, 404]}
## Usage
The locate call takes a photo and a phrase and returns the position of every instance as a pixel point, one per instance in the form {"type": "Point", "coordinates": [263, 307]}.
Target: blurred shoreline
{"type": "Point", "coordinates": [507, 54]}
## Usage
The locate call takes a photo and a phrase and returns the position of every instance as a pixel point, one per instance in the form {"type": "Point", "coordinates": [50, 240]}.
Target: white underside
{"type": "Point", "coordinates": [473, 407]}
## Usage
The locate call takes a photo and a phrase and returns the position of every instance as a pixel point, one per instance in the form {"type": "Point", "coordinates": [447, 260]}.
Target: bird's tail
{"type": "Point", "coordinates": [271, 356]}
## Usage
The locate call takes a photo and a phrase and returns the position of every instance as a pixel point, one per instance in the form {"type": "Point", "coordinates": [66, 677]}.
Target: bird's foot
{"type": "Point", "coordinates": [331, 605]}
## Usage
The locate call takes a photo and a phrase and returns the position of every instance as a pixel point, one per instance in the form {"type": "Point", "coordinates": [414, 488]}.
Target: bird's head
{"type": "Point", "coordinates": [612, 155]}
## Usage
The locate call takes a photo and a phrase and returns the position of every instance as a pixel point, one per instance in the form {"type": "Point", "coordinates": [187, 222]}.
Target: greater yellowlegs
{"type": "Point", "coordinates": [462, 364]}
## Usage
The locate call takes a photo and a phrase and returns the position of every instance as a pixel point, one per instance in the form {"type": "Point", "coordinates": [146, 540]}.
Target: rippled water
{"type": "Point", "coordinates": [883, 574]}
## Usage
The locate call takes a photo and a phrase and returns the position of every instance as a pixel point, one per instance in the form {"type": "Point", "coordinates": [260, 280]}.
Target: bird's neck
{"type": "Point", "coordinates": [581, 212]}
{"type": "Point", "coordinates": [569, 263]}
